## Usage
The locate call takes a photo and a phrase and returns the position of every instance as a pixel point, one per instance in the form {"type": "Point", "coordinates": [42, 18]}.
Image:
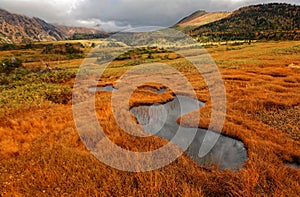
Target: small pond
{"type": "Point", "coordinates": [161, 120]}
{"type": "Point", "coordinates": [109, 88]}
{"type": "Point", "coordinates": [293, 165]}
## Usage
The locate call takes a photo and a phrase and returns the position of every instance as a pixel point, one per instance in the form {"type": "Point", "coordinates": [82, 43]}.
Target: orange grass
{"type": "Point", "coordinates": [41, 153]}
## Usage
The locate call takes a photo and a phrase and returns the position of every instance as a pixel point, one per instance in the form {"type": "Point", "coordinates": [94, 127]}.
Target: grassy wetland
{"type": "Point", "coordinates": [41, 153]}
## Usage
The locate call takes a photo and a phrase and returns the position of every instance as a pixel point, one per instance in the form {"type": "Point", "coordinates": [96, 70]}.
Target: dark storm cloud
{"type": "Point", "coordinates": [118, 14]}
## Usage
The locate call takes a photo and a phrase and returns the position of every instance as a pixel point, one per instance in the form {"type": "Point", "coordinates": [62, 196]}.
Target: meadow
{"type": "Point", "coordinates": [41, 153]}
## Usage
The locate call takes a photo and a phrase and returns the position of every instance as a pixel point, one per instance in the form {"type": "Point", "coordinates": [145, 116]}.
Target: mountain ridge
{"type": "Point", "coordinates": [199, 18]}
{"type": "Point", "coordinates": [20, 28]}
{"type": "Point", "coordinates": [277, 21]}
{"type": "Point", "coordinates": [16, 28]}
{"type": "Point", "coordinates": [70, 30]}
{"type": "Point", "coordinates": [194, 15]}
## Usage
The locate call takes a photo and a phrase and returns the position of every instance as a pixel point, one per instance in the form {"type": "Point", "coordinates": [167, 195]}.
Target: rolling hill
{"type": "Point", "coordinates": [275, 21]}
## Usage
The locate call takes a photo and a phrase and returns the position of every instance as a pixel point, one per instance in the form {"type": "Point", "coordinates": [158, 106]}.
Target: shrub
{"type": "Point", "coordinates": [58, 94]}
{"type": "Point", "coordinates": [57, 76]}
{"type": "Point", "coordinates": [8, 65]}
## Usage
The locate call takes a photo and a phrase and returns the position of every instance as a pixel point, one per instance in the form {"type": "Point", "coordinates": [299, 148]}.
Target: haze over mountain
{"type": "Point", "coordinates": [70, 31]}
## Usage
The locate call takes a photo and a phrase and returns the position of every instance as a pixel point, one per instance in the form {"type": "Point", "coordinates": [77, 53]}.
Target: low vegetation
{"type": "Point", "coordinates": [41, 153]}
{"type": "Point", "coordinates": [24, 87]}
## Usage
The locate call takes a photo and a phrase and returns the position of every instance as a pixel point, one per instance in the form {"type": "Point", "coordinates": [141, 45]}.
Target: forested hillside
{"type": "Point", "coordinates": [267, 21]}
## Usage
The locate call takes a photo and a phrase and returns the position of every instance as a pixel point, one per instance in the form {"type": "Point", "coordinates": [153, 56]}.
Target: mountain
{"type": "Point", "coordinates": [191, 17]}
{"type": "Point", "coordinates": [274, 21]}
{"type": "Point", "coordinates": [70, 31]}
{"type": "Point", "coordinates": [16, 28]}
{"type": "Point", "coordinates": [19, 28]}
{"type": "Point", "coordinates": [82, 33]}
{"type": "Point", "coordinates": [265, 21]}
{"type": "Point", "coordinates": [200, 18]}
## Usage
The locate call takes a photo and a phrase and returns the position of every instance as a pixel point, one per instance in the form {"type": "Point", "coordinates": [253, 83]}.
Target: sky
{"type": "Point", "coordinates": [115, 15]}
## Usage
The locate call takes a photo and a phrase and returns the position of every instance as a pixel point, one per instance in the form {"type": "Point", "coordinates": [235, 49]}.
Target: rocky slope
{"type": "Point", "coordinates": [18, 28]}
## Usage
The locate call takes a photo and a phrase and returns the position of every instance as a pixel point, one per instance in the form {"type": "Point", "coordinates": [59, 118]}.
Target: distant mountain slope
{"type": "Point", "coordinates": [19, 28]}
{"type": "Point", "coordinates": [266, 21]}
{"type": "Point", "coordinates": [70, 31]}
{"type": "Point", "coordinates": [200, 18]}
{"type": "Point", "coordinates": [191, 17]}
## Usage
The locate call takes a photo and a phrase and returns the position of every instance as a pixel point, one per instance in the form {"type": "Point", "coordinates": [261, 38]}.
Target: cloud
{"type": "Point", "coordinates": [136, 12]}
{"type": "Point", "coordinates": [118, 14]}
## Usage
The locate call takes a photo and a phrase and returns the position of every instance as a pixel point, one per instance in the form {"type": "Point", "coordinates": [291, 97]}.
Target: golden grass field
{"type": "Point", "coordinates": [41, 153]}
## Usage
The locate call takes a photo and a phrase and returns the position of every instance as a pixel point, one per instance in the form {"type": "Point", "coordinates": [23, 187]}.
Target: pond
{"type": "Point", "coordinates": [161, 120]}
{"type": "Point", "coordinates": [109, 88]}
{"type": "Point", "coordinates": [293, 165]}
